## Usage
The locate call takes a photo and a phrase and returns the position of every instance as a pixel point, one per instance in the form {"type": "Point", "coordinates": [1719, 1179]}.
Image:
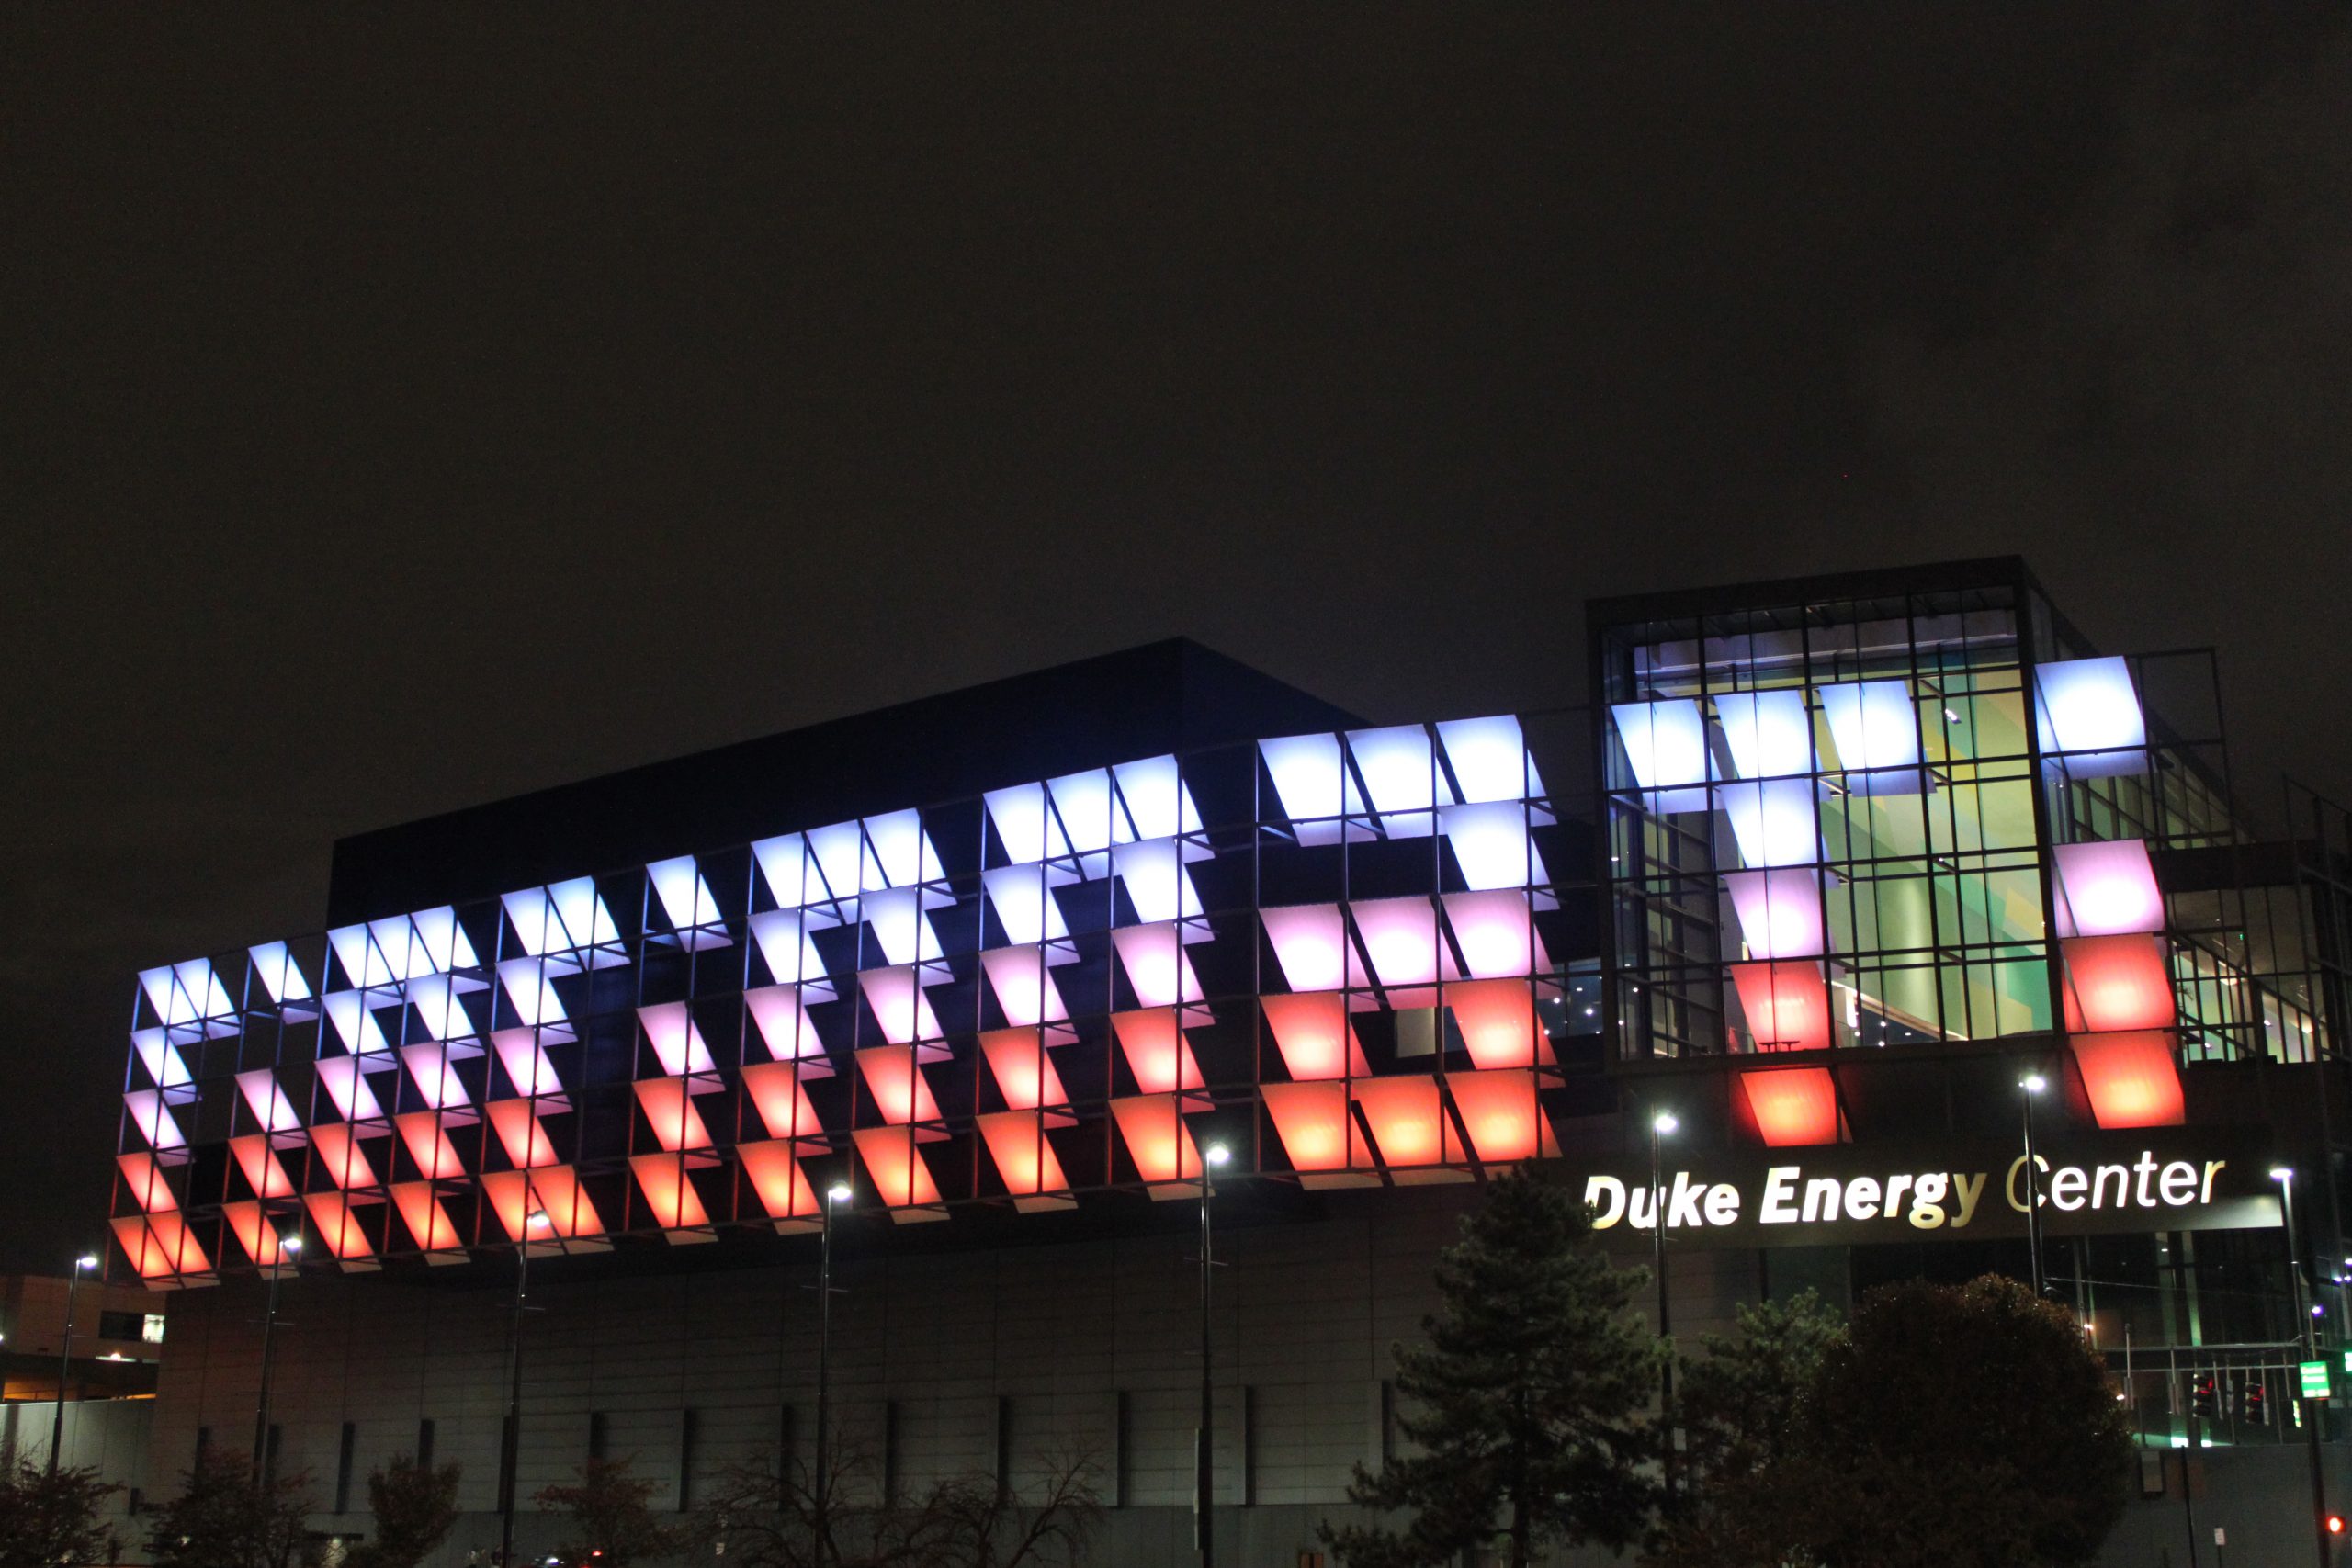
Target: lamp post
{"type": "Point", "coordinates": [82, 1265]}
{"type": "Point", "coordinates": [1204, 1453]}
{"type": "Point", "coordinates": [511, 1458]}
{"type": "Point", "coordinates": [2033, 1084]}
{"type": "Point", "coordinates": [287, 1247]}
{"type": "Point", "coordinates": [2285, 1176]}
{"type": "Point", "coordinates": [1662, 1125]}
{"type": "Point", "coordinates": [821, 1484]}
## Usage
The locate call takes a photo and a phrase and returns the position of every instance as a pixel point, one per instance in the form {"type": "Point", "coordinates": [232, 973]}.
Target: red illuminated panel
{"type": "Point", "coordinates": [1024, 1074]}
{"type": "Point", "coordinates": [2131, 1079]}
{"type": "Point", "coordinates": [518, 1128]}
{"type": "Point", "coordinates": [253, 1232]}
{"type": "Point", "coordinates": [898, 1172]}
{"type": "Point", "coordinates": [1155, 1052]}
{"type": "Point", "coordinates": [427, 1222]}
{"type": "Point", "coordinates": [160, 1245]}
{"type": "Point", "coordinates": [1016, 1140]}
{"type": "Point", "coordinates": [1793, 1106]}
{"type": "Point", "coordinates": [1498, 1022]}
{"type": "Point", "coordinates": [145, 1180]}
{"type": "Point", "coordinates": [782, 1101]}
{"type": "Point", "coordinates": [1786, 1003]}
{"type": "Point", "coordinates": [262, 1170]}
{"type": "Point", "coordinates": [331, 1215]}
{"type": "Point", "coordinates": [1500, 1111]}
{"type": "Point", "coordinates": [669, 1111]}
{"type": "Point", "coordinates": [436, 1159]}
{"type": "Point", "coordinates": [1159, 1142]}
{"type": "Point", "coordinates": [897, 1085]}
{"type": "Point", "coordinates": [1407, 1123]}
{"type": "Point", "coordinates": [782, 1186]}
{"type": "Point", "coordinates": [669, 1197]}
{"type": "Point", "coordinates": [1317, 1132]}
{"type": "Point", "coordinates": [1313, 1034]}
{"type": "Point", "coordinates": [552, 1188]}
{"type": "Point", "coordinates": [2117, 982]}
{"type": "Point", "coordinates": [340, 1157]}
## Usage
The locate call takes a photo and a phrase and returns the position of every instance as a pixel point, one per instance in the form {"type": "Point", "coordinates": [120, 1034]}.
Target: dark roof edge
{"type": "Point", "coordinates": [1873, 582]}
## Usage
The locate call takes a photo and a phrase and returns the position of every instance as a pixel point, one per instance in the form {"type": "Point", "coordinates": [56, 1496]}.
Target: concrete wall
{"type": "Point", "coordinates": [111, 1435]}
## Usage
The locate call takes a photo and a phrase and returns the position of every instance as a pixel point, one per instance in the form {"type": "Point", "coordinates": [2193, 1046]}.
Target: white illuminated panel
{"type": "Point", "coordinates": [562, 917]}
{"type": "Point", "coordinates": [427, 942]}
{"type": "Point", "coordinates": [1157, 882]}
{"type": "Point", "coordinates": [1157, 970]}
{"type": "Point", "coordinates": [355, 948]}
{"type": "Point", "coordinates": [189, 993]}
{"type": "Point", "coordinates": [355, 1021]}
{"type": "Point", "coordinates": [161, 1058]}
{"type": "Point", "coordinates": [686, 900]}
{"type": "Point", "coordinates": [784, 1024]}
{"type": "Point", "coordinates": [344, 1084]}
{"type": "Point", "coordinates": [1876, 726]}
{"type": "Point", "coordinates": [530, 985]}
{"type": "Point", "coordinates": [902, 851]}
{"type": "Point", "coordinates": [1779, 911]}
{"type": "Point", "coordinates": [280, 974]}
{"type": "Point", "coordinates": [1496, 933]}
{"type": "Point", "coordinates": [900, 928]}
{"type": "Point", "coordinates": [436, 1000]}
{"type": "Point", "coordinates": [670, 1028]}
{"type": "Point", "coordinates": [1769, 734]}
{"type": "Point", "coordinates": [783, 864]}
{"type": "Point", "coordinates": [2087, 706]}
{"type": "Point", "coordinates": [1400, 772]}
{"type": "Point", "coordinates": [1023, 907]}
{"type": "Point", "coordinates": [1311, 944]}
{"type": "Point", "coordinates": [1081, 807]}
{"type": "Point", "coordinates": [1489, 759]}
{"type": "Point", "coordinates": [1490, 843]}
{"type": "Point", "coordinates": [1029, 834]}
{"type": "Point", "coordinates": [839, 851]}
{"type": "Point", "coordinates": [1666, 743]}
{"type": "Point", "coordinates": [2107, 889]}
{"type": "Point", "coordinates": [1311, 783]}
{"type": "Point", "coordinates": [782, 937]}
{"type": "Point", "coordinates": [1774, 821]}
{"type": "Point", "coordinates": [1159, 804]}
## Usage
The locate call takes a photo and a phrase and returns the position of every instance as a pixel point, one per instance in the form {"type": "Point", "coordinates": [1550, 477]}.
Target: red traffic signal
{"type": "Point", "coordinates": [2335, 1524]}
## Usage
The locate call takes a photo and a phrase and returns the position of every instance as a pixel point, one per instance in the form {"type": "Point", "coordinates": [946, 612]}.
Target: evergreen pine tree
{"type": "Point", "coordinates": [1526, 1405]}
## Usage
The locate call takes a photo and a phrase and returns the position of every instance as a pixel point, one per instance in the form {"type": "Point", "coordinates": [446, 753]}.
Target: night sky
{"type": "Point", "coordinates": [409, 408]}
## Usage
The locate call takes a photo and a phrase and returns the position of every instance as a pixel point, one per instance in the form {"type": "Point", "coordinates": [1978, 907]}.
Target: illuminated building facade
{"type": "Point", "coordinates": [1822, 867]}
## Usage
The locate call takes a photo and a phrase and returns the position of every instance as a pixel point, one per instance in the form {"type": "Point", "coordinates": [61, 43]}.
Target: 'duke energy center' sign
{"type": "Point", "coordinates": [2171, 1179]}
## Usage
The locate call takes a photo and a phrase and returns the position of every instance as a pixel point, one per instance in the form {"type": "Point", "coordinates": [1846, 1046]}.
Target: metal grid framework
{"type": "Point", "coordinates": [1348, 958]}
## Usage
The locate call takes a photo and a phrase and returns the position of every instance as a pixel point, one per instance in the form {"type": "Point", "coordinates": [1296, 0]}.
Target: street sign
{"type": "Point", "coordinates": [2314, 1379]}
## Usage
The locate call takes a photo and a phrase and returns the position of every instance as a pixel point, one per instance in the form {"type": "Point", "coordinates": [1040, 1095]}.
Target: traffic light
{"type": "Point", "coordinates": [2257, 1403]}
{"type": "Point", "coordinates": [2206, 1400]}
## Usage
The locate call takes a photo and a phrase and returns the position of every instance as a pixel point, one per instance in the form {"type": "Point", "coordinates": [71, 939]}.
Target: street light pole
{"type": "Point", "coordinates": [1661, 1125]}
{"type": "Point", "coordinates": [511, 1458]}
{"type": "Point", "coordinates": [2033, 1084]}
{"type": "Point", "coordinates": [288, 1246]}
{"type": "Point", "coordinates": [65, 1359]}
{"type": "Point", "coordinates": [820, 1483]}
{"type": "Point", "coordinates": [2285, 1177]}
{"type": "Point", "coordinates": [1204, 1453]}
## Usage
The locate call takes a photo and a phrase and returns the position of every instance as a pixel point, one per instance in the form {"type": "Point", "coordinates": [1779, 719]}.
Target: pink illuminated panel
{"type": "Point", "coordinates": [2107, 888]}
{"type": "Point", "coordinates": [1779, 911]}
{"type": "Point", "coordinates": [1310, 943]}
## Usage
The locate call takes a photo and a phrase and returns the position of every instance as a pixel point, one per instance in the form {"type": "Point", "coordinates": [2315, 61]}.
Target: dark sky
{"type": "Point", "coordinates": [412, 407]}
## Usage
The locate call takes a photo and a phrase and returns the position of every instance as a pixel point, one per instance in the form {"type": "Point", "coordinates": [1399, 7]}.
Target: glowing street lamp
{"type": "Point", "coordinates": [837, 1195]}
{"type": "Point", "coordinates": [534, 1222]}
{"type": "Point", "coordinates": [289, 1248]}
{"type": "Point", "coordinates": [2033, 1084]}
{"type": "Point", "coordinates": [1203, 1455]}
{"type": "Point", "coordinates": [84, 1263]}
{"type": "Point", "coordinates": [1663, 1124]}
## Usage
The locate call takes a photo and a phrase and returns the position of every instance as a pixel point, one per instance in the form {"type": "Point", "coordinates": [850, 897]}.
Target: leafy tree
{"type": "Point", "coordinates": [612, 1521]}
{"type": "Point", "coordinates": [221, 1519]}
{"type": "Point", "coordinates": [1979, 1409]}
{"type": "Point", "coordinates": [1527, 1398]}
{"type": "Point", "coordinates": [48, 1519]}
{"type": "Point", "coordinates": [414, 1507]}
{"type": "Point", "coordinates": [1742, 1407]}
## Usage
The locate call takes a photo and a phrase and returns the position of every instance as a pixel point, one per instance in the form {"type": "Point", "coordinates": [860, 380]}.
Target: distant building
{"type": "Point", "coordinates": [1824, 868]}
{"type": "Point", "coordinates": [118, 1339]}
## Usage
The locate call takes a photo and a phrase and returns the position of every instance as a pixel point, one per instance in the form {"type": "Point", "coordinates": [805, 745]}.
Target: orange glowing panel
{"type": "Point", "coordinates": [1155, 1052]}
{"type": "Point", "coordinates": [1314, 1035]}
{"type": "Point", "coordinates": [436, 1159]}
{"type": "Point", "coordinates": [518, 1128]}
{"type": "Point", "coordinates": [1407, 1123]}
{"type": "Point", "coordinates": [669, 1197]}
{"type": "Point", "coordinates": [1793, 1106]}
{"type": "Point", "coordinates": [253, 1232]}
{"type": "Point", "coordinates": [669, 1111]}
{"type": "Point", "coordinates": [782, 1101]}
{"type": "Point", "coordinates": [340, 1156]}
{"type": "Point", "coordinates": [1024, 1074]}
{"type": "Point", "coordinates": [1498, 1022]}
{"type": "Point", "coordinates": [900, 1176]}
{"type": "Point", "coordinates": [427, 1222]}
{"type": "Point", "coordinates": [554, 1189]}
{"type": "Point", "coordinates": [1159, 1142]}
{"type": "Point", "coordinates": [2131, 1079]}
{"type": "Point", "coordinates": [337, 1226]}
{"type": "Point", "coordinates": [160, 1245]}
{"type": "Point", "coordinates": [254, 1156]}
{"type": "Point", "coordinates": [1786, 1003]}
{"type": "Point", "coordinates": [1504, 1122]}
{"type": "Point", "coordinates": [1016, 1140]}
{"type": "Point", "coordinates": [784, 1023]}
{"type": "Point", "coordinates": [782, 1186]}
{"type": "Point", "coordinates": [2117, 983]}
{"type": "Point", "coordinates": [145, 1180]}
{"type": "Point", "coordinates": [1311, 1118]}
{"type": "Point", "coordinates": [898, 1086]}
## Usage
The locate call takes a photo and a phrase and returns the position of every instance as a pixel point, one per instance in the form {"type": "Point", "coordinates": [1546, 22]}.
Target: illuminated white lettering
{"type": "Point", "coordinates": [2178, 1183]}
{"type": "Point", "coordinates": [1969, 1192]}
{"type": "Point", "coordinates": [1605, 1196]}
{"type": "Point", "coordinates": [2122, 1175]}
{"type": "Point", "coordinates": [2147, 1169]}
{"type": "Point", "coordinates": [2212, 1168]}
{"type": "Point", "coordinates": [1927, 1200]}
{"type": "Point", "coordinates": [2015, 1193]}
{"type": "Point", "coordinates": [1821, 1198]}
{"type": "Point", "coordinates": [1861, 1197]}
{"type": "Point", "coordinates": [1895, 1186]}
{"type": "Point", "coordinates": [2067, 1187]}
{"type": "Point", "coordinates": [1780, 1188]}
{"type": "Point", "coordinates": [1683, 1210]}
{"type": "Point", "coordinates": [1722, 1204]}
